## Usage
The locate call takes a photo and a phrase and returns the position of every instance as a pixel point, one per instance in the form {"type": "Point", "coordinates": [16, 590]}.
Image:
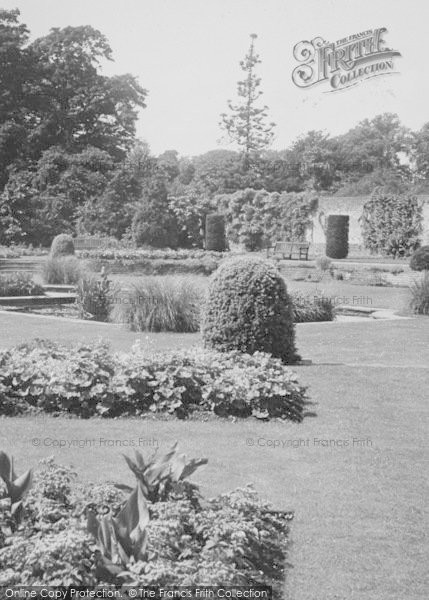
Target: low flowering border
{"type": "Point", "coordinates": [90, 380]}
{"type": "Point", "coordinates": [160, 532]}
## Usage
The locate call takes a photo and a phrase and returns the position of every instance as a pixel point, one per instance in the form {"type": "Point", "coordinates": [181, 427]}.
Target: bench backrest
{"type": "Point", "coordinates": [87, 243]}
{"type": "Point", "coordinates": [285, 246]}
{"type": "Point", "coordinates": [282, 246]}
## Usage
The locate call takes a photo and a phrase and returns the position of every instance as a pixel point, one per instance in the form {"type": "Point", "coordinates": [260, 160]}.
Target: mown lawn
{"type": "Point", "coordinates": [360, 530]}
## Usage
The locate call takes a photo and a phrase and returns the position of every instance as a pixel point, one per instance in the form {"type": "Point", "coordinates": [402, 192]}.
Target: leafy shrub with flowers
{"type": "Point", "coordinates": [98, 535]}
{"type": "Point", "coordinates": [19, 284]}
{"type": "Point", "coordinates": [89, 380]}
{"type": "Point", "coordinates": [152, 261]}
{"type": "Point", "coordinates": [310, 309]}
{"type": "Point", "coordinates": [149, 254]}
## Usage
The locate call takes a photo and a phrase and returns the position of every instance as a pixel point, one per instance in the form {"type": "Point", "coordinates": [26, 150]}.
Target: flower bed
{"type": "Point", "coordinates": [19, 284]}
{"type": "Point", "coordinates": [16, 251]}
{"type": "Point", "coordinates": [153, 261]}
{"type": "Point", "coordinates": [90, 380]}
{"type": "Point", "coordinates": [58, 531]}
{"type": "Point", "coordinates": [149, 254]}
{"type": "Point", "coordinates": [156, 266]}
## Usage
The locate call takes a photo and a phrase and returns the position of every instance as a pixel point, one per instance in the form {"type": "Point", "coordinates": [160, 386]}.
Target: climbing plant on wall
{"type": "Point", "coordinates": [270, 216]}
{"type": "Point", "coordinates": [392, 223]}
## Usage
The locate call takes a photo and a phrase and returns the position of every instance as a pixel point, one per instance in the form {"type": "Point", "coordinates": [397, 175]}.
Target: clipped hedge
{"type": "Point", "coordinates": [89, 380]}
{"type": "Point", "coordinates": [311, 309]}
{"type": "Point", "coordinates": [248, 309]}
{"type": "Point", "coordinates": [337, 236]}
{"type": "Point", "coordinates": [149, 254]}
{"type": "Point", "coordinates": [63, 270]}
{"type": "Point", "coordinates": [215, 233]}
{"type": "Point", "coordinates": [420, 259]}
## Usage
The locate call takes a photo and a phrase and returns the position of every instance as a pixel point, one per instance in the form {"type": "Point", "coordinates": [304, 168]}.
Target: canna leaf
{"type": "Point", "coordinates": [23, 483]}
{"type": "Point", "coordinates": [134, 514]}
{"type": "Point", "coordinates": [192, 466]}
{"type": "Point", "coordinates": [6, 467]}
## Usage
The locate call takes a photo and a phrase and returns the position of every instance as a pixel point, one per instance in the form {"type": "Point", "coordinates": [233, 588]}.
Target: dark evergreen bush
{"type": "Point", "coordinates": [420, 259]}
{"type": "Point", "coordinates": [248, 309]}
{"type": "Point", "coordinates": [62, 245]}
{"type": "Point", "coordinates": [154, 227]}
{"type": "Point", "coordinates": [337, 236]}
{"type": "Point", "coordinates": [253, 240]}
{"type": "Point", "coordinates": [215, 233]}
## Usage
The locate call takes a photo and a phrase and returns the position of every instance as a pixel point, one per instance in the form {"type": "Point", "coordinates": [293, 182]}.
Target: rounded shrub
{"type": "Point", "coordinates": [420, 259]}
{"type": "Point", "coordinates": [248, 309]}
{"type": "Point", "coordinates": [62, 245]}
{"type": "Point", "coordinates": [215, 233]}
{"type": "Point", "coordinates": [337, 236]}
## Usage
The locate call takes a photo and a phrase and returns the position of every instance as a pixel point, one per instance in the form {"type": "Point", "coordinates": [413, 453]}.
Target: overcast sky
{"type": "Point", "coordinates": [187, 53]}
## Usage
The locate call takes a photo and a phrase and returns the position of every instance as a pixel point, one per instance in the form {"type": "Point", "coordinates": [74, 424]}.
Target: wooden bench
{"type": "Point", "coordinates": [82, 242]}
{"type": "Point", "coordinates": [289, 250]}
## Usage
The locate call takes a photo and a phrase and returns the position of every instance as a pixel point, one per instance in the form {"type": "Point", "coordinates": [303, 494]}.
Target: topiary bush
{"type": "Point", "coordinates": [248, 309]}
{"type": "Point", "coordinates": [62, 245]}
{"type": "Point", "coordinates": [337, 236]}
{"type": "Point", "coordinates": [420, 259]}
{"type": "Point", "coordinates": [215, 233]}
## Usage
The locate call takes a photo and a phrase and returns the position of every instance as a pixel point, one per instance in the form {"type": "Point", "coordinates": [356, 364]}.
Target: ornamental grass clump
{"type": "Point", "coordinates": [65, 270]}
{"type": "Point", "coordinates": [248, 309]}
{"type": "Point", "coordinates": [166, 303]}
{"type": "Point", "coordinates": [419, 302]}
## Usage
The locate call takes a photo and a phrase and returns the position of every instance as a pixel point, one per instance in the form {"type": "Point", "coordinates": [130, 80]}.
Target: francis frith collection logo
{"type": "Point", "coordinates": [344, 63]}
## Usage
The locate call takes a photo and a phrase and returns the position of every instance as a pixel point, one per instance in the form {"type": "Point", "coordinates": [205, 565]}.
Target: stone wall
{"type": "Point", "coordinates": [352, 206]}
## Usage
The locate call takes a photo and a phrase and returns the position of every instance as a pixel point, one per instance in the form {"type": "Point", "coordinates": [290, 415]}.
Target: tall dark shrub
{"type": "Point", "coordinates": [215, 233]}
{"type": "Point", "coordinates": [420, 259]}
{"type": "Point", "coordinates": [337, 236]}
{"type": "Point", "coordinates": [248, 309]}
{"type": "Point", "coordinates": [153, 226]}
